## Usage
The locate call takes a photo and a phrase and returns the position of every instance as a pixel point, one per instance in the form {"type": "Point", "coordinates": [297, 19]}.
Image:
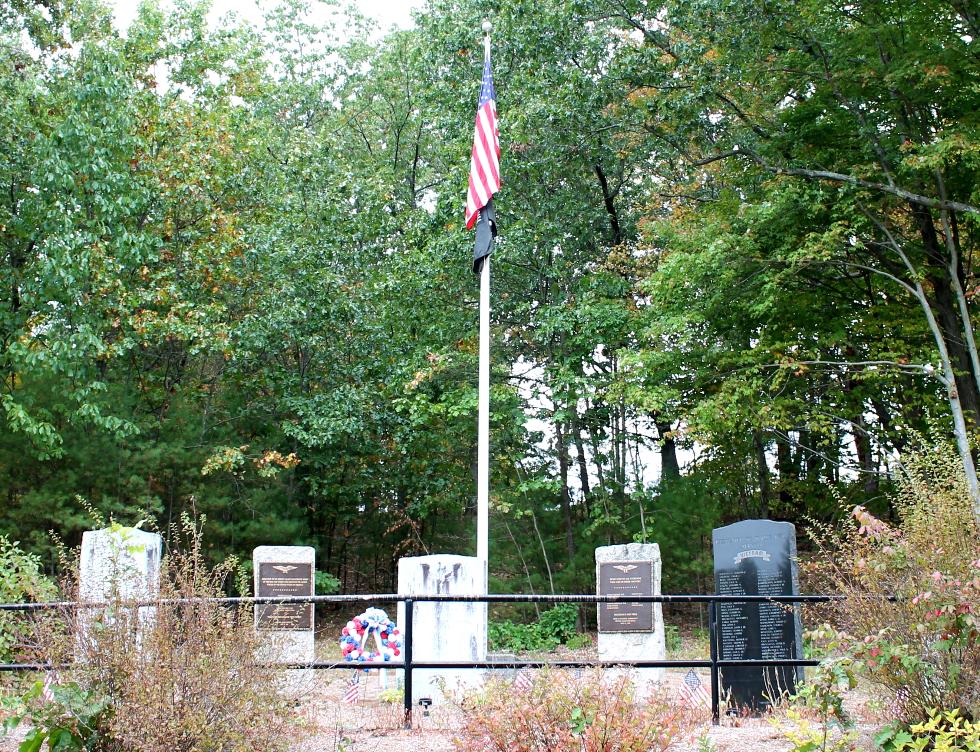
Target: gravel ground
{"type": "Point", "coordinates": [375, 726]}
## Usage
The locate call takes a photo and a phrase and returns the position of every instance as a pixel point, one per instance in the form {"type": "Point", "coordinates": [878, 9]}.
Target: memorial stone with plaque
{"type": "Point", "coordinates": [757, 557]}
{"type": "Point", "coordinates": [631, 630]}
{"type": "Point", "coordinates": [286, 628]}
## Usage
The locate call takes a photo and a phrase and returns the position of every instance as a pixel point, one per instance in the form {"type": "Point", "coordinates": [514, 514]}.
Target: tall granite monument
{"type": "Point", "coordinates": [444, 631]}
{"type": "Point", "coordinates": [631, 631]}
{"type": "Point", "coordinates": [118, 564]}
{"type": "Point", "coordinates": [757, 557]}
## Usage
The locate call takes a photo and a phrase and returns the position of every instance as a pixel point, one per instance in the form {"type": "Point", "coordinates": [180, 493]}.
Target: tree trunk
{"type": "Point", "coordinates": [943, 303]}
{"type": "Point", "coordinates": [583, 466]}
{"type": "Point", "coordinates": [765, 490]}
{"type": "Point", "coordinates": [670, 468]}
{"type": "Point", "coordinates": [787, 471]}
{"type": "Point", "coordinates": [566, 499]}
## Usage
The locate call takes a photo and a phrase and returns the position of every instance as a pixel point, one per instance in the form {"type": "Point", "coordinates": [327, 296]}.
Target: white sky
{"type": "Point", "coordinates": [387, 13]}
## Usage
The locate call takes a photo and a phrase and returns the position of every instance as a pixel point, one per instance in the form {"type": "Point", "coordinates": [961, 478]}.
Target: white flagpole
{"type": "Point", "coordinates": [483, 410]}
{"type": "Point", "coordinates": [483, 421]}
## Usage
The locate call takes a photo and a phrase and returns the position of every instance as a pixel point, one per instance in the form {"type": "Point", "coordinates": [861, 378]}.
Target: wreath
{"type": "Point", "coordinates": [359, 630]}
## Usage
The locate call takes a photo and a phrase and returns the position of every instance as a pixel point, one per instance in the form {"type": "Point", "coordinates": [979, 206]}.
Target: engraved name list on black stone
{"type": "Point", "coordinates": [285, 579]}
{"type": "Point", "coordinates": [626, 578]}
{"type": "Point", "coordinates": [757, 557]}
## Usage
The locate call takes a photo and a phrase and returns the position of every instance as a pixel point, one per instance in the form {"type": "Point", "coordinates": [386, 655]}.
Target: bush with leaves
{"type": "Point", "coordinates": [65, 716]}
{"type": "Point", "coordinates": [593, 713]}
{"type": "Point", "coordinates": [186, 678]}
{"type": "Point", "coordinates": [21, 581]}
{"type": "Point", "coordinates": [554, 627]}
{"type": "Point", "coordinates": [921, 649]}
{"type": "Point", "coordinates": [942, 732]}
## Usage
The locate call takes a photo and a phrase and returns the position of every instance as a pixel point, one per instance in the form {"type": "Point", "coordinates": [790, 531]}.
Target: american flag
{"type": "Point", "coordinates": [353, 689]}
{"type": "Point", "coordinates": [47, 693]}
{"type": "Point", "coordinates": [485, 161]}
{"type": "Point", "coordinates": [692, 691]}
{"type": "Point", "coordinates": [523, 682]}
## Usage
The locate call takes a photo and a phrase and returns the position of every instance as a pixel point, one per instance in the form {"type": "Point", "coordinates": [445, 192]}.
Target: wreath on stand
{"type": "Point", "coordinates": [356, 636]}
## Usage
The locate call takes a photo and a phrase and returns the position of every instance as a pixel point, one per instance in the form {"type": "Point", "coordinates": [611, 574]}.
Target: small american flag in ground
{"type": "Point", "coordinates": [485, 162]}
{"type": "Point", "coordinates": [353, 689]}
{"type": "Point", "coordinates": [897, 705]}
{"type": "Point", "coordinates": [47, 693]}
{"type": "Point", "coordinates": [523, 682]}
{"type": "Point", "coordinates": [692, 691]}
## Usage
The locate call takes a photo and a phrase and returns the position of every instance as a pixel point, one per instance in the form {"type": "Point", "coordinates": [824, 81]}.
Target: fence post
{"type": "Point", "coordinates": [409, 616]}
{"type": "Point", "coordinates": [713, 646]}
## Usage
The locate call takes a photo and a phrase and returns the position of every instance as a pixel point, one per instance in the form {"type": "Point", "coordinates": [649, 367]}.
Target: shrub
{"type": "Point", "coordinates": [553, 628]}
{"type": "Point", "coordinates": [943, 732]}
{"type": "Point", "coordinates": [65, 716]}
{"type": "Point", "coordinates": [21, 581]}
{"type": "Point", "coordinates": [186, 679]}
{"type": "Point", "coordinates": [922, 649]}
{"type": "Point", "coordinates": [559, 712]}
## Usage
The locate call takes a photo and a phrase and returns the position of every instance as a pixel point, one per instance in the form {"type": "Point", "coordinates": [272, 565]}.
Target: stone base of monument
{"type": "Point", "coordinates": [631, 631]}
{"type": "Point", "coordinates": [444, 631]}
{"type": "Point", "coordinates": [286, 630]}
{"type": "Point", "coordinates": [503, 674]}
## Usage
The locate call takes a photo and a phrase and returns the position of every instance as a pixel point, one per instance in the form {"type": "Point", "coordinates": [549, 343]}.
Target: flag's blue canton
{"type": "Point", "coordinates": [486, 91]}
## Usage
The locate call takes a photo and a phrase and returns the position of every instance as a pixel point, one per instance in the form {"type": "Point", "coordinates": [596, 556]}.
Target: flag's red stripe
{"type": "Point", "coordinates": [484, 178]}
{"type": "Point", "coordinates": [488, 140]}
{"type": "Point", "coordinates": [492, 163]}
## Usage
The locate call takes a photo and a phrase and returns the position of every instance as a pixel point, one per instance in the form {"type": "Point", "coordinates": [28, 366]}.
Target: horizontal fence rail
{"type": "Point", "coordinates": [408, 664]}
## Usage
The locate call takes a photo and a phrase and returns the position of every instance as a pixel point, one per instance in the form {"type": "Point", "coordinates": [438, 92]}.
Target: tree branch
{"type": "Point", "coordinates": [839, 177]}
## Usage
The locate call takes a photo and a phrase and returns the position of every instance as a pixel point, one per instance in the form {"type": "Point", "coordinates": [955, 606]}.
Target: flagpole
{"type": "Point", "coordinates": [483, 410]}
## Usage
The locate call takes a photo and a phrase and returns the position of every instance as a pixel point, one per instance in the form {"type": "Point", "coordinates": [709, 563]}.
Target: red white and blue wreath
{"type": "Point", "coordinates": [356, 635]}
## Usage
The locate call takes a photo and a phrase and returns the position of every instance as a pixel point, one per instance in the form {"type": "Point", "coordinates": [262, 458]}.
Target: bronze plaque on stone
{"type": "Point", "coordinates": [626, 578]}
{"type": "Point", "coordinates": [284, 580]}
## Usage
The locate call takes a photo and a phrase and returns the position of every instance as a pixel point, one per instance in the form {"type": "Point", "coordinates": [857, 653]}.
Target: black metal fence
{"type": "Point", "coordinates": [408, 663]}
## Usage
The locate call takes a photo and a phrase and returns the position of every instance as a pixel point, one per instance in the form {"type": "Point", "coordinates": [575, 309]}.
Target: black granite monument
{"type": "Point", "coordinates": [757, 557]}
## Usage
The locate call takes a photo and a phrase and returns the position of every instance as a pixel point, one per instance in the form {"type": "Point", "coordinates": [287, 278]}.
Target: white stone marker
{"type": "Point", "coordinates": [444, 631]}
{"type": "Point", "coordinates": [118, 563]}
{"type": "Point", "coordinates": [286, 629]}
{"type": "Point", "coordinates": [631, 631]}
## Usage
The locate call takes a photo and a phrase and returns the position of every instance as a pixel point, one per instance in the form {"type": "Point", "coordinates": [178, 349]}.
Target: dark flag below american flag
{"type": "Point", "coordinates": [484, 168]}
{"type": "Point", "coordinates": [692, 691]}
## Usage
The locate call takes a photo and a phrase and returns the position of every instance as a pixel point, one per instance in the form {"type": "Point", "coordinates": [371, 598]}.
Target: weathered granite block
{"type": "Point", "coordinates": [445, 631]}
{"type": "Point", "coordinates": [118, 564]}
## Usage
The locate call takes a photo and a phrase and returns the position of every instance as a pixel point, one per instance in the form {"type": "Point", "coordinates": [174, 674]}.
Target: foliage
{"type": "Point", "coordinates": [185, 676]}
{"type": "Point", "coordinates": [391, 696]}
{"type": "Point", "coordinates": [816, 716]}
{"type": "Point", "coordinates": [21, 581]}
{"type": "Point", "coordinates": [64, 716]}
{"type": "Point", "coordinates": [943, 731]}
{"type": "Point", "coordinates": [235, 279]}
{"type": "Point", "coordinates": [325, 583]}
{"type": "Point", "coordinates": [672, 638]}
{"type": "Point", "coordinates": [579, 641]}
{"type": "Point", "coordinates": [921, 648]}
{"type": "Point", "coordinates": [592, 714]}
{"type": "Point", "coordinates": [554, 627]}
